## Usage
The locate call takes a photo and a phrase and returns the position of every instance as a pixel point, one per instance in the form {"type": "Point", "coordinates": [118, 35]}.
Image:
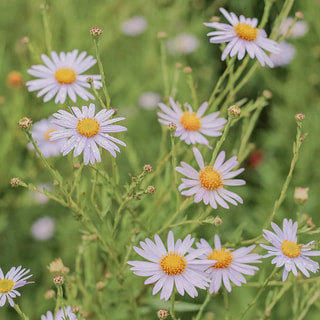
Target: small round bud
{"type": "Point", "coordinates": [234, 112]}
{"type": "Point", "coordinates": [162, 34]}
{"type": "Point", "coordinates": [100, 285]}
{"type": "Point", "coordinates": [2, 100]}
{"type": "Point", "coordinates": [42, 6]}
{"type": "Point", "coordinates": [134, 179]}
{"type": "Point", "coordinates": [187, 70]}
{"type": "Point", "coordinates": [215, 19]}
{"type": "Point", "coordinates": [76, 309]}
{"type": "Point", "coordinates": [310, 223]}
{"type": "Point", "coordinates": [14, 79]}
{"type": "Point", "coordinates": [58, 280]}
{"type": "Point", "coordinates": [172, 126]}
{"type": "Point", "coordinates": [218, 221]}
{"type": "Point", "coordinates": [96, 32]}
{"type": "Point", "coordinates": [162, 314]}
{"type": "Point", "coordinates": [15, 182]}
{"type": "Point", "coordinates": [147, 168]}
{"type": "Point", "coordinates": [300, 116]}
{"type": "Point", "coordinates": [267, 94]}
{"type": "Point", "coordinates": [178, 65]}
{"type": "Point", "coordinates": [89, 80]}
{"type": "Point", "coordinates": [49, 294]}
{"type": "Point", "coordinates": [115, 111]}
{"type": "Point", "coordinates": [24, 40]}
{"type": "Point", "coordinates": [77, 165]}
{"type": "Point", "coordinates": [151, 189]}
{"type": "Point", "coordinates": [267, 313]}
{"type": "Point", "coordinates": [57, 267]}
{"type": "Point", "coordinates": [25, 123]}
{"type": "Point", "coordinates": [209, 315]}
{"type": "Point", "coordinates": [299, 15]}
{"type": "Point", "coordinates": [301, 195]}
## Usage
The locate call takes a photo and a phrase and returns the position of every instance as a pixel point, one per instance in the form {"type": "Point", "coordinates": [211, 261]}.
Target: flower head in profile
{"type": "Point", "coordinates": [243, 37]}
{"type": "Point", "coordinates": [64, 313]}
{"type": "Point", "coordinates": [285, 56]}
{"type": "Point", "coordinates": [191, 126]}
{"type": "Point", "coordinates": [287, 252]}
{"type": "Point", "coordinates": [40, 132]}
{"type": "Point", "coordinates": [298, 30]}
{"type": "Point", "coordinates": [86, 131]}
{"type": "Point", "coordinates": [209, 183]}
{"type": "Point", "coordinates": [134, 26]}
{"type": "Point", "coordinates": [182, 44]}
{"type": "Point", "coordinates": [171, 266]}
{"type": "Point", "coordinates": [61, 76]}
{"type": "Point", "coordinates": [14, 279]}
{"type": "Point", "coordinates": [229, 266]}
{"type": "Point", "coordinates": [149, 100]}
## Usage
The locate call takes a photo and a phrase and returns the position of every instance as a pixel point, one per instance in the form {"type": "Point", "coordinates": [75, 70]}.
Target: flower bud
{"type": "Point", "coordinates": [215, 19]}
{"type": "Point", "coordinates": [100, 285]}
{"type": "Point", "coordinates": [267, 94]}
{"type": "Point", "coordinates": [14, 79]}
{"type": "Point", "coordinates": [49, 294]}
{"type": "Point", "coordinates": [172, 126]}
{"type": "Point", "coordinates": [15, 182]}
{"type": "Point", "coordinates": [234, 112]}
{"type": "Point", "coordinates": [57, 267]}
{"type": "Point", "coordinates": [58, 280]}
{"type": "Point", "coordinates": [96, 32]}
{"type": "Point", "coordinates": [218, 221]}
{"type": "Point", "coordinates": [162, 34]}
{"type": "Point", "coordinates": [89, 80]}
{"type": "Point", "coordinates": [187, 70]}
{"type": "Point", "coordinates": [151, 189]}
{"type": "Point", "coordinates": [300, 117]}
{"type": "Point", "coordinates": [147, 168]}
{"type": "Point", "coordinates": [25, 123]}
{"type": "Point", "coordinates": [24, 40]}
{"type": "Point", "coordinates": [299, 15]}
{"type": "Point", "coordinates": [162, 314]}
{"type": "Point", "coordinates": [301, 195]}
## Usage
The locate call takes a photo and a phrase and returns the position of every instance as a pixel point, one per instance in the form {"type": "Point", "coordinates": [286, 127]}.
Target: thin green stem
{"type": "Point", "coordinates": [97, 95]}
{"type": "Point", "coordinates": [20, 313]}
{"type": "Point", "coordinates": [47, 33]}
{"type": "Point", "coordinates": [226, 304]}
{"type": "Point", "coordinates": [175, 81]}
{"type": "Point", "coordinates": [172, 299]}
{"type": "Point", "coordinates": [164, 67]}
{"type": "Point", "coordinates": [266, 13]}
{"type": "Point", "coordinates": [206, 301]}
{"type": "Point", "coordinates": [59, 299]}
{"type": "Point", "coordinates": [193, 91]}
{"type": "Point", "coordinates": [174, 165]}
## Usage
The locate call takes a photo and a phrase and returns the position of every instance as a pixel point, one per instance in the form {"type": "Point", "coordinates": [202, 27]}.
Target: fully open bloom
{"type": "Point", "coordinates": [86, 130]}
{"type": "Point", "coordinates": [14, 279]}
{"type": "Point", "coordinates": [243, 36]}
{"type": "Point", "coordinates": [40, 132]}
{"type": "Point", "coordinates": [191, 126]}
{"type": "Point", "coordinates": [208, 183]}
{"type": "Point", "coordinates": [62, 76]}
{"type": "Point", "coordinates": [64, 313]}
{"type": "Point", "coordinates": [229, 265]}
{"type": "Point", "coordinates": [287, 252]}
{"type": "Point", "coordinates": [171, 267]}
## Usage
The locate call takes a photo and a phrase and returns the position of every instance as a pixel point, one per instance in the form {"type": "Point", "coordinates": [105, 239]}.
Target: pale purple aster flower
{"type": "Point", "coordinates": [208, 184]}
{"type": "Point", "coordinates": [64, 313]}
{"type": "Point", "coordinates": [229, 265]}
{"type": "Point", "coordinates": [86, 131]}
{"type": "Point", "coordinates": [191, 126]}
{"type": "Point", "coordinates": [134, 26]}
{"type": "Point", "coordinates": [14, 279]}
{"type": "Point", "coordinates": [299, 29]}
{"type": "Point", "coordinates": [285, 56]}
{"type": "Point", "coordinates": [172, 266]}
{"type": "Point", "coordinates": [287, 252]}
{"type": "Point", "coordinates": [40, 132]}
{"type": "Point", "coordinates": [61, 76]}
{"type": "Point", "coordinates": [183, 44]}
{"type": "Point", "coordinates": [243, 37]}
{"type": "Point", "coordinates": [43, 229]}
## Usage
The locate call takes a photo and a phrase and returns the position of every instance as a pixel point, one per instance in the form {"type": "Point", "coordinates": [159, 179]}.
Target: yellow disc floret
{"type": "Point", "coordinates": [291, 249]}
{"type": "Point", "coordinates": [88, 127]}
{"type": "Point", "coordinates": [210, 178]}
{"type": "Point", "coordinates": [190, 121]}
{"type": "Point", "coordinates": [224, 257]}
{"type": "Point", "coordinates": [173, 263]}
{"type": "Point", "coordinates": [6, 285]}
{"type": "Point", "coordinates": [65, 76]}
{"type": "Point", "coordinates": [246, 32]}
{"type": "Point", "coordinates": [47, 134]}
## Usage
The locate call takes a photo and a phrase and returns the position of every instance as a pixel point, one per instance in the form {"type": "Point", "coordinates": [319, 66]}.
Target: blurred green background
{"type": "Point", "coordinates": [132, 66]}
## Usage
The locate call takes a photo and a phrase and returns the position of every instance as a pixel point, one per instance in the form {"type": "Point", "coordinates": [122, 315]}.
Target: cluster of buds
{"type": "Point", "coordinates": [96, 32]}
{"type": "Point", "coordinates": [57, 267]}
{"type": "Point", "coordinates": [25, 123]}
{"type": "Point", "coordinates": [234, 112]}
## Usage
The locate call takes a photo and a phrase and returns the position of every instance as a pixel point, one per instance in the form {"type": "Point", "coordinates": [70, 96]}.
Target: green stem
{"type": "Point", "coordinates": [97, 95]}
{"type": "Point", "coordinates": [174, 164]}
{"type": "Point", "coordinates": [164, 67]}
{"type": "Point", "coordinates": [47, 33]}
{"type": "Point", "coordinates": [175, 81]}
{"type": "Point", "coordinates": [20, 313]}
{"type": "Point", "coordinates": [59, 299]}
{"type": "Point", "coordinates": [206, 301]}
{"type": "Point", "coordinates": [172, 312]}
{"type": "Point", "coordinates": [226, 303]}
{"type": "Point", "coordinates": [193, 91]}
{"type": "Point", "coordinates": [266, 13]}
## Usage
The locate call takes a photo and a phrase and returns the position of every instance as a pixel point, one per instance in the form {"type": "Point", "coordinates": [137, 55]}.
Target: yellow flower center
{"type": "Point", "coordinates": [88, 127]}
{"type": "Point", "coordinates": [224, 258]}
{"type": "Point", "coordinates": [6, 285]}
{"type": "Point", "coordinates": [47, 134]}
{"type": "Point", "coordinates": [65, 76]}
{"type": "Point", "coordinates": [190, 121]}
{"type": "Point", "coordinates": [210, 178]}
{"type": "Point", "coordinates": [291, 249]}
{"type": "Point", "coordinates": [245, 31]}
{"type": "Point", "coordinates": [172, 263]}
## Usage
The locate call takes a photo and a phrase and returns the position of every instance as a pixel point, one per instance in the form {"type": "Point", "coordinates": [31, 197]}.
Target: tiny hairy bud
{"type": "Point", "coordinates": [299, 15]}
{"type": "Point", "coordinates": [162, 34]}
{"type": "Point", "coordinates": [267, 313]}
{"type": "Point", "coordinates": [147, 168]}
{"type": "Point", "coordinates": [300, 117]}
{"type": "Point", "coordinates": [187, 70]}
{"type": "Point", "coordinates": [25, 123]}
{"type": "Point", "coordinates": [218, 221]}
{"type": "Point", "coordinates": [25, 40]}
{"type": "Point", "coordinates": [89, 80]}
{"type": "Point", "coordinates": [96, 32]}
{"type": "Point", "coordinates": [77, 165]}
{"type": "Point", "coordinates": [58, 280]}
{"type": "Point", "coordinates": [76, 308]}
{"type": "Point", "coordinates": [14, 79]}
{"type": "Point", "coordinates": [15, 182]}
{"type": "Point", "coordinates": [178, 65]}
{"type": "Point", "coordinates": [162, 314]}
{"type": "Point", "coordinates": [301, 195]}
{"type": "Point", "coordinates": [100, 285]}
{"type": "Point", "coordinates": [151, 189]}
{"type": "Point", "coordinates": [49, 294]}
{"type": "Point", "coordinates": [57, 267]}
{"type": "Point", "coordinates": [215, 19]}
{"type": "Point", "coordinates": [267, 94]}
{"type": "Point", "coordinates": [172, 126]}
{"type": "Point", "coordinates": [234, 112]}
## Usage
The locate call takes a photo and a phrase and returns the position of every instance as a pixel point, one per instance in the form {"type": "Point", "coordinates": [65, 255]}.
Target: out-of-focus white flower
{"type": "Point", "coordinates": [43, 229]}
{"type": "Point", "coordinates": [62, 314]}
{"type": "Point", "coordinates": [38, 197]}
{"type": "Point", "coordinates": [285, 56]}
{"type": "Point", "coordinates": [149, 100]}
{"type": "Point", "coordinates": [182, 44]}
{"type": "Point", "coordinates": [134, 26]}
{"type": "Point", "coordinates": [299, 29]}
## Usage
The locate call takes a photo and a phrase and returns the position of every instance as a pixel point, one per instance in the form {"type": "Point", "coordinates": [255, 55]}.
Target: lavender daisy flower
{"type": "Point", "coordinates": [243, 37]}
{"type": "Point", "coordinates": [230, 264]}
{"type": "Point", "coordinates": [285, 56]}
{"type": "Point", "coordinates": [64, 313]}
{"type": "Point", "coordinates": [191, 126]}
{"type": "Point", "coordinates": [87, 130]}
{"type": "Point", "coordinates": [171, 267]}
{"type": "Point", "coordinates": [62, 76]}
{"type": "Point", "coordinates": [287, 252]}
{"type": "Point", "coordinates": [14, 279]}
{"type": "Point", "coordinates": [208, 183]}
